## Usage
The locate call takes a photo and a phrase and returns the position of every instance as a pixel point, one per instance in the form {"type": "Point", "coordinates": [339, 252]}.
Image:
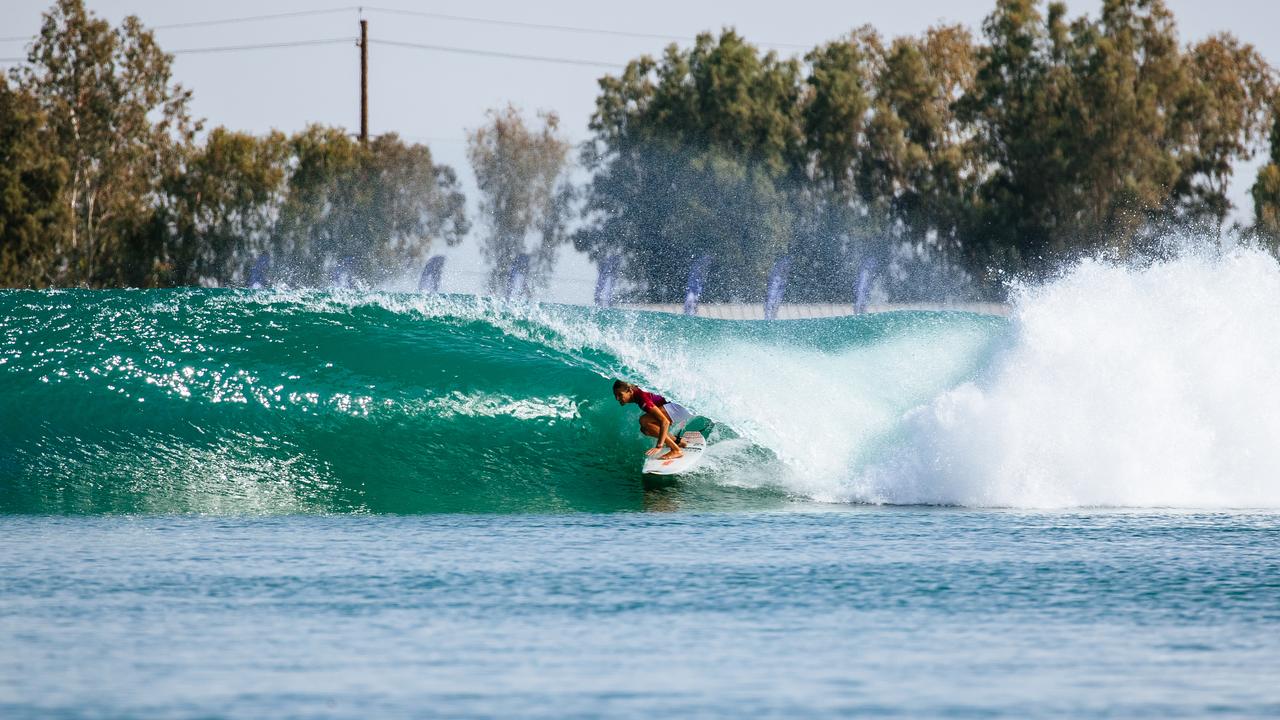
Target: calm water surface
{"type": "Point", "coordinates": [876, 612]}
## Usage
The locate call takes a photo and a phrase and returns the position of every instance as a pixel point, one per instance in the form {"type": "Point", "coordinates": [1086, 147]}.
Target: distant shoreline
{"type": "Point", "coordinates": [801, 311]}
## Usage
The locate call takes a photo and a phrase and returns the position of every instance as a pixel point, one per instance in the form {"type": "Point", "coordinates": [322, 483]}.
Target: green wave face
{"type": "Point", "coordinates": [242, 402]}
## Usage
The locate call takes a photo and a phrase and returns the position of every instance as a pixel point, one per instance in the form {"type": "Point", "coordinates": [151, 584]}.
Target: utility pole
{"type": "Point", "coordinates": [364, 81]}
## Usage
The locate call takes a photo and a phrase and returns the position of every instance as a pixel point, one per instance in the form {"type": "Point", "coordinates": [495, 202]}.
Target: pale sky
{"type": "Point", "coordinates": [434, 97]}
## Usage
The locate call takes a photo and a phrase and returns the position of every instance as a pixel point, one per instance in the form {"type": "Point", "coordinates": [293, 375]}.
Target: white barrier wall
{"type": "Point", "coordinates": [755, 311]}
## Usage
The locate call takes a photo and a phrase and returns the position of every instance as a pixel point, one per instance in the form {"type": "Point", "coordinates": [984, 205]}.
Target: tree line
{"type": "Point", "coordinates": [947, 161]}
{"type": "Point", "coordinates": [103, 182]}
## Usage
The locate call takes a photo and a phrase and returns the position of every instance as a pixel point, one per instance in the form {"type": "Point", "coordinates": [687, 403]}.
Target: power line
{"type": "Point", "coordinates": [394, 43]}
{"type": "Point", "coordinates": [225, 21]}
{"type": "Point", "coordinates": [495, 53]}
{"type": "Point", "coordinates": [558, 28]}
{"type": "Point", "coordinates": [262, 46]}
{"type": "Point", "coordinates": [234, 48]}
{"type": "Point", "coordinates": [255, 18]}
{"type": "Point", "coordinates": [434, 16]}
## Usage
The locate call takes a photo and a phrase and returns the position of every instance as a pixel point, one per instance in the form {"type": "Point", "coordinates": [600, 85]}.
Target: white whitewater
{"type": "Point", "coordinates": [1156, 386]}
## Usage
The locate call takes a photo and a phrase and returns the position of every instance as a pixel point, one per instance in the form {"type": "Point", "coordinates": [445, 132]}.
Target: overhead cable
{"type": "Point", "coordinates": [498, 54]}
{"type": "Point", "coordinates": [223, 21]}
{"type": "Point", "coordinates": [392, 43]}
{"type": "Point", "coordinates": [254, 18]}
{"type": "Point", "coordinates": [548, 26]}
{"type": "Point", "coordinates": [261, 46]}
{"type": "Point", "coordinates": [436, 16]}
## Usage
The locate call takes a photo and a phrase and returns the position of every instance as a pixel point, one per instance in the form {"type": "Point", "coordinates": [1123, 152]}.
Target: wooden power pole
{"type": "Point", "coordinates": [364, 81]}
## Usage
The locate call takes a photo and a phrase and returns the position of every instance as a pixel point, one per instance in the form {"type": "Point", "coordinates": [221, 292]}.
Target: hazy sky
{"type": "Point", "coordinates": [434, 97]}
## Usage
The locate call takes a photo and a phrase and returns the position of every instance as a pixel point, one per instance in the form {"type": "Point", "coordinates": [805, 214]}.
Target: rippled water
{"type": "Point", "coordinates": [811, 613]}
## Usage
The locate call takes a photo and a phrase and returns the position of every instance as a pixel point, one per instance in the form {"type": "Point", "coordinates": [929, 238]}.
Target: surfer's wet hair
{"type": "Point", "coordinates": [622, 385]}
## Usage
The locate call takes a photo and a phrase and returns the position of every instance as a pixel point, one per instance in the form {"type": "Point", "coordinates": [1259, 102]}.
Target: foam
{"type": "Point", "coordinates": [1151, 386]}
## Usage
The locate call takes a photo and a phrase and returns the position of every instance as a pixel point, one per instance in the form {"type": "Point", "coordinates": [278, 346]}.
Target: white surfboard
{"type": "Point", "coordinates": [696, 445]}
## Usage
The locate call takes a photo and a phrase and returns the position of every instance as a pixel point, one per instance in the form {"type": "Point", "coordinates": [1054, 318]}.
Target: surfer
{"type": "Point", "coordinates": [658, 418]}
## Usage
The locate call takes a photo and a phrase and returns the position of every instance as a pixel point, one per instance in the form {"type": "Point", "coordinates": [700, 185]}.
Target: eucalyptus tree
{"type": "Point", "coordinates": [119, 122]}
{"type": "Point", "coordinates": [31, 186]}
{"type": "Point", "coordinates": [1266, 191]}
{"type": "Point", "coordinates": [364, 213]}
{"type": "Point", "coordinates": [222, 205]}
{"type": "Point", "coordinates": [1101, 134]}
{"type": "Point", "coordinates": [697, 154]}
{"type": "Point", "coordinates": [920, 167]}
{"type": "Point", "coordinates": [522, 174]}
{"type": "Point", "coordinates": [1227, 107]}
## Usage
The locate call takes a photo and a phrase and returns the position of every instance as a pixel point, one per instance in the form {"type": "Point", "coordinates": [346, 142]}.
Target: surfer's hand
{"type": "Point", "coordinates": [653, 451]}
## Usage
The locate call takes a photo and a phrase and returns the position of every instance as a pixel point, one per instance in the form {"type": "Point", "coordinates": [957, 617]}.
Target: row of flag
{"type": "Point", "coordinates": [606, 282]}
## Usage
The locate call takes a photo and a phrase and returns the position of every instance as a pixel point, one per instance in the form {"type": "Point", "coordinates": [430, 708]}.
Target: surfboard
{"type": "Point", "coordinates": [696, 445]}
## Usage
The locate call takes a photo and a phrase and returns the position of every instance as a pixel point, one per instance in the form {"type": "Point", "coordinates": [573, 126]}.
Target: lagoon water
{"type": "Point", "coordinates": [363, 504]}
{"type": "Point", "coordinates": [803, 613]}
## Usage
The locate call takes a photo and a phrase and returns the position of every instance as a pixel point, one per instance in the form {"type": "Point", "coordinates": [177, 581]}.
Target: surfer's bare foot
{"type": "Point", "coordinates": [673, 455]}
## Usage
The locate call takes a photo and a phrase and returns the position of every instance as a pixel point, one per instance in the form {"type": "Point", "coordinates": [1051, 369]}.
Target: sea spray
{"type": "Point", "coordinates": [1124, 386]}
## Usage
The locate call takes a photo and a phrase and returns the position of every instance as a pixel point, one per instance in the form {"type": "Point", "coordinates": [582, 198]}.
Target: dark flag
{"type": "Point", "coordinates": [429, 281]}
{"type": "Point", "coordinates": [697, 278]}
{"type": "Point", "coordinates": [608, 278]}
{"type": "Point", "coordinates": [776, 287]}
{"type": "Point", "coordinates": [258, 273]}
{"type": "Point", "coordinates": [516, 281]}
{"type": "Point", "coordinates": [865, 275]}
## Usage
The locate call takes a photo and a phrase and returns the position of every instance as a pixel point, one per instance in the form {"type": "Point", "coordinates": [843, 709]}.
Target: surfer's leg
{"type": "Point", "coordinates": [674, 452]}
{"type": "Point", "coordinates": [649, 426]}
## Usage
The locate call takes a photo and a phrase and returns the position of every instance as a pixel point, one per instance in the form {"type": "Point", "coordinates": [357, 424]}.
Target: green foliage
{"type": "Point", "coordinates": [1228, 106]}
{"type": "Point", "coordinates": [117, 120]}
{"type": "Point", "coordinates": [103, 182]}
{"type": "Point", "coordinates": [936, 155]}
{"type": "Point", "coordinates": [721, 94]}
{"type": "Point", "coordinates": [361, 213]}
{"type": "Point", "coordinates": [1101, 134]}
{"type": "Point", "coordinates": [1028, 113]}
{"type": "Point", "coordinates": [841, 89]}
{"type": "Point", "coordinates": [31, 185]}
{"type": "Point", "coordinates": [323, 206]}
{"type": "Point", "coordinates": [920, 162]}
{"type": "Point", "coordinates": [699, 154]}
{"type": "Point", "coordinates": [522, 176]}
{"type": "Point", "coordinates": [222, 205]}
{"type": "Point", "coordinates": [1266, 191]}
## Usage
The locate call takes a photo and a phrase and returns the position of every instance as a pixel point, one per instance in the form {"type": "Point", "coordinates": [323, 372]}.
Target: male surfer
{"type": "Point", "coordinates": [659, 415]}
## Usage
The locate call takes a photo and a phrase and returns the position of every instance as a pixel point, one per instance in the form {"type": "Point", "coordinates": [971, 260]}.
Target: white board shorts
{"type": "Point", "coordinates": [679, 416]}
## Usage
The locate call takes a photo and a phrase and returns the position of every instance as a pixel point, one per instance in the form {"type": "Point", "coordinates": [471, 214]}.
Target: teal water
{"type": "Point", "coordinates": [862, 612]}
{"type": "Point", "coordinates": [346, 505]}
{"type": "Point", "coordinates": [236, 402]}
